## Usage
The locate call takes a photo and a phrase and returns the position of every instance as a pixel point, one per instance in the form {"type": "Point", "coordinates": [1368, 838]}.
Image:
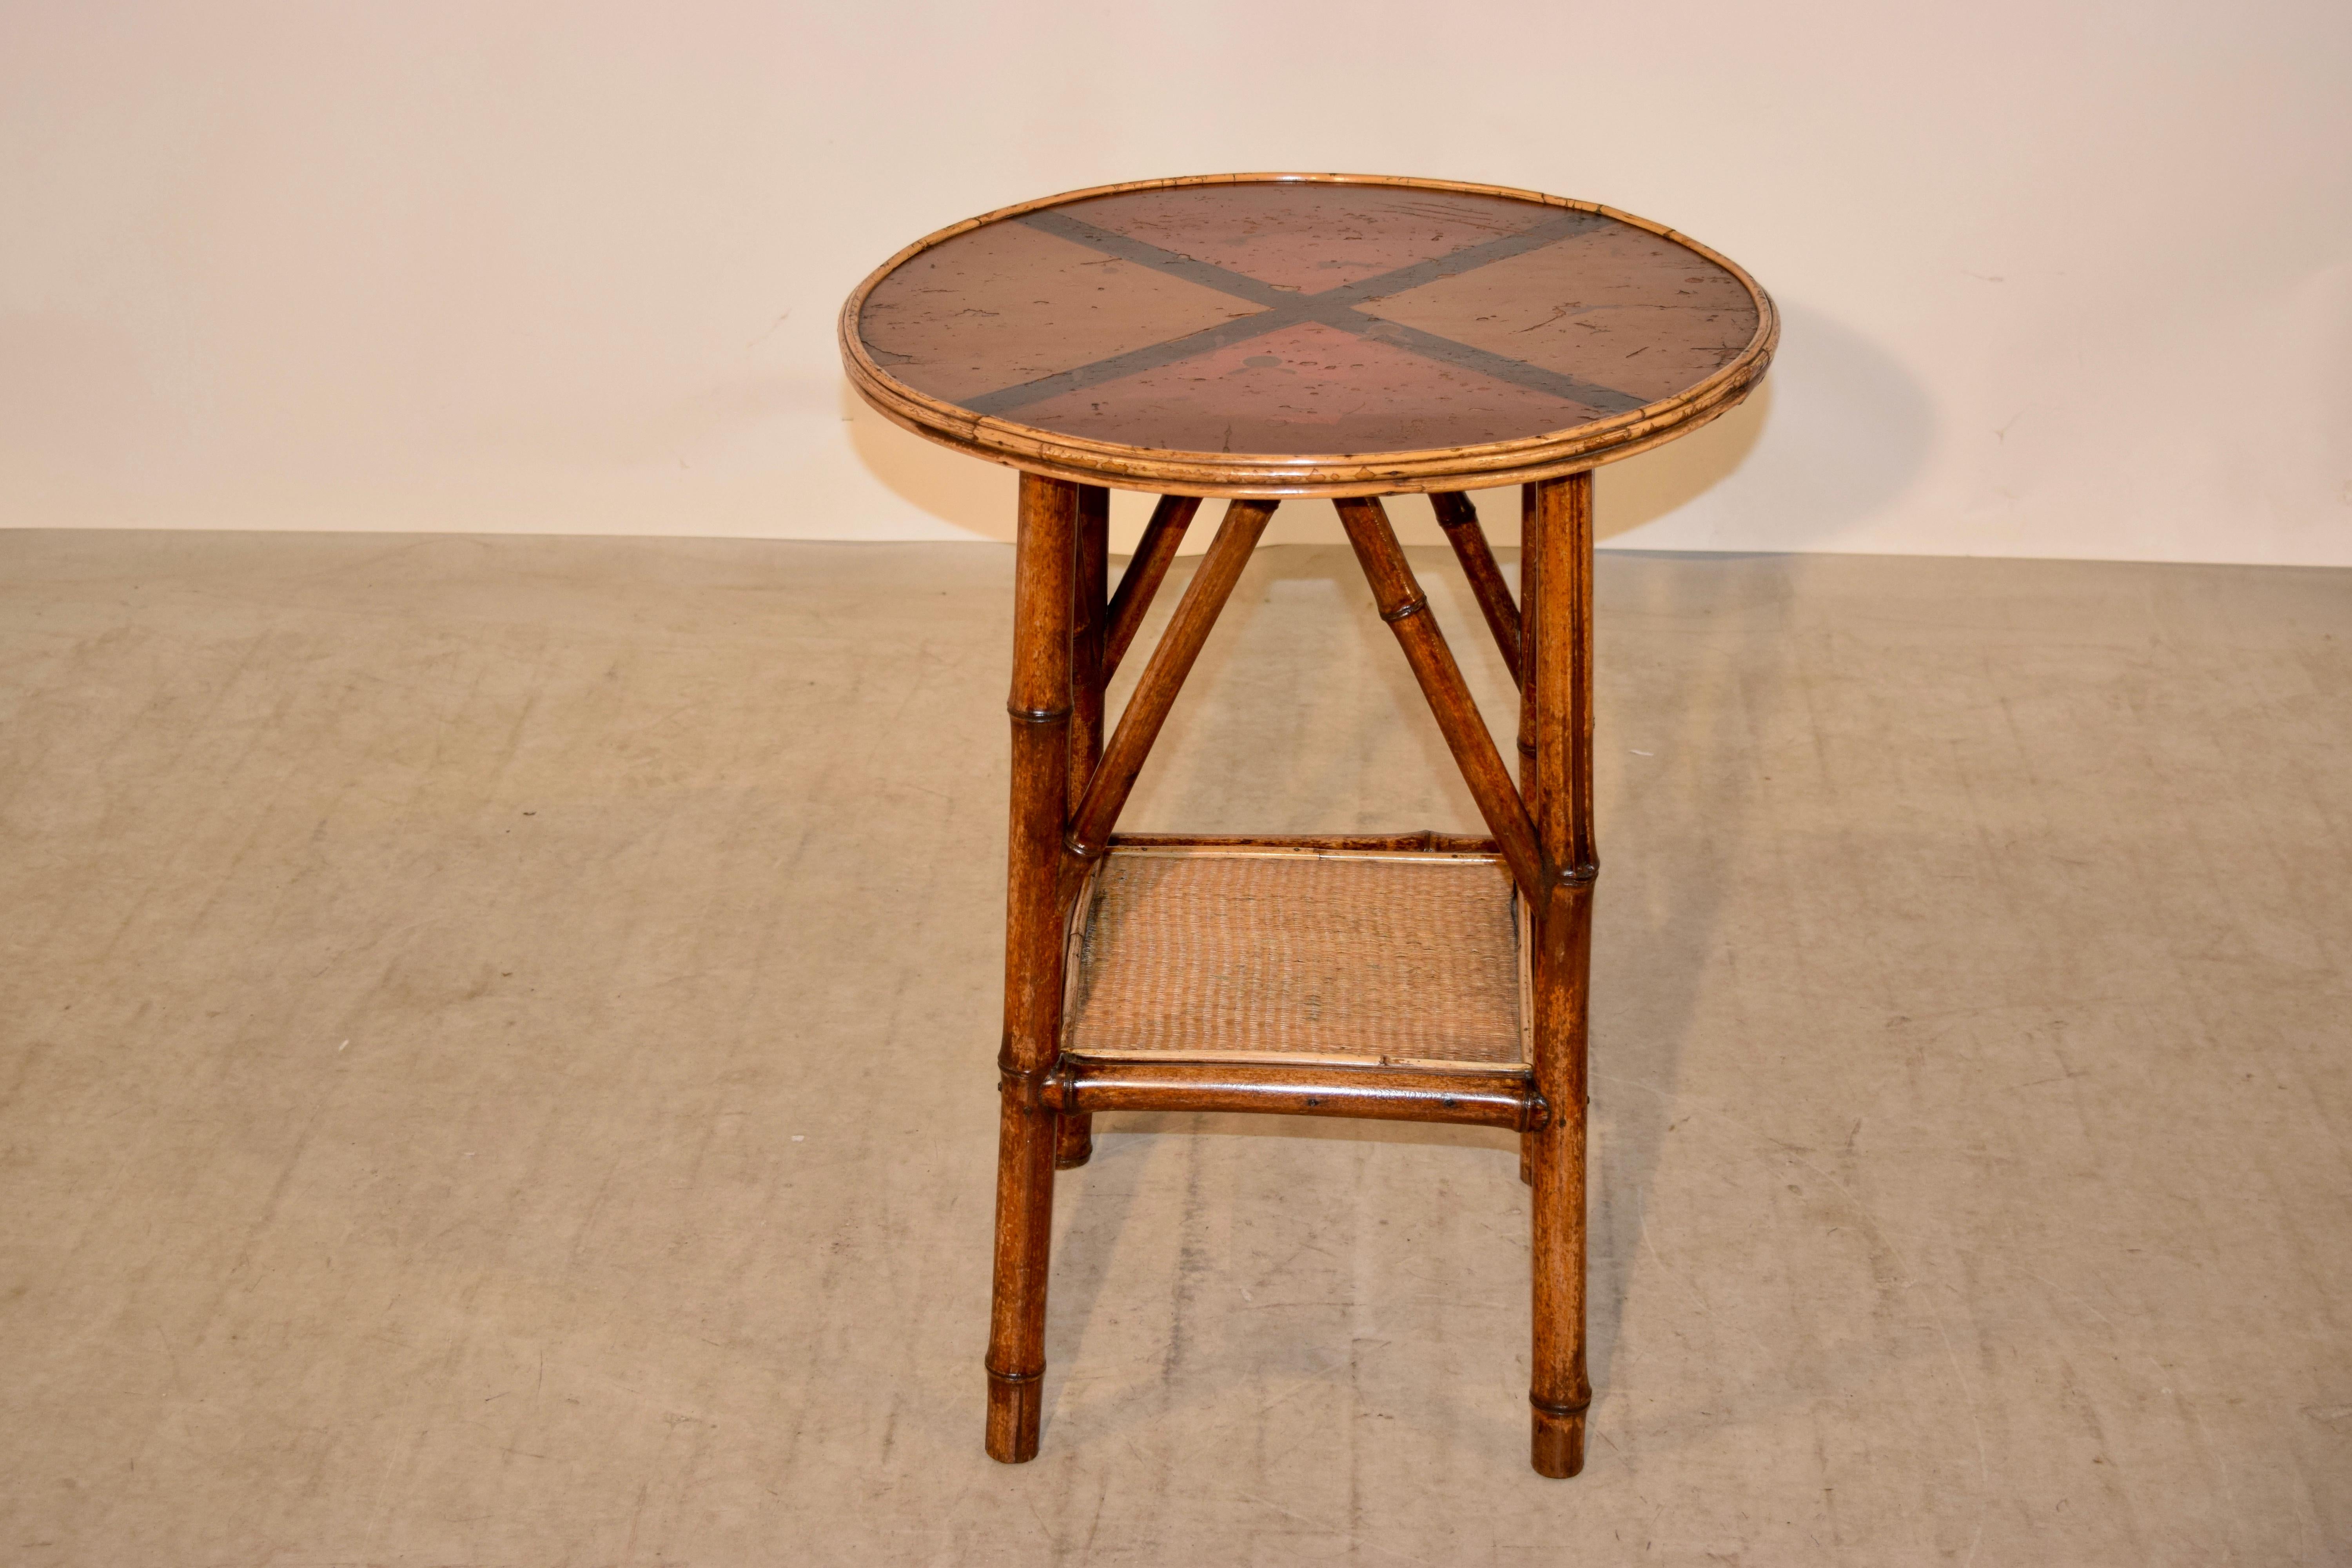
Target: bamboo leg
{"type": "Point", "coordinates": [1562, 662]}
{"type": "Point", "coordinates": [1154, 553]}
{"type": "Point", "coordinates": [1530, 620]}
{"type": "Point", "coordinates": [1460, 521]}
{"type": "Point", "coordinates": [1531, 632]}
{"type": "Point", "coordinates": [1074, 1130]}
{"type": "Point", "coordinates": [1179, 645]}
{"type": "Point", "coordinates": [1407, 614]}
{"type": "Point", "coordinates": [1090, 569]}
{"type": "Point", "coordinates": [1040, 707]}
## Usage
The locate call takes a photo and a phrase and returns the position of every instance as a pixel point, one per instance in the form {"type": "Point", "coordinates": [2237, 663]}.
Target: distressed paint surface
{"type": "Point", "coordinates": [1306, 319]}
{"type": "Point", "coordinates": [1309, 388]}
{"type": "Point", "coordinates": [1309, 237]}
{"type": "Point", "coordinates": [950, 318]}
{"type": "Point", "coordinates": [1619, 306]}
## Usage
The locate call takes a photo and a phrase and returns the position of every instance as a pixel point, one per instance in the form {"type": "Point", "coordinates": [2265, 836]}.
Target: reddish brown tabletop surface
{"type": "Point", "coordinates": [1298, 317]}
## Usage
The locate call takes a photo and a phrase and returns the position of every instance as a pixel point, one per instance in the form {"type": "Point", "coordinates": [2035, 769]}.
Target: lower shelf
{"type": "Point", "coordinates": [1356, 952]}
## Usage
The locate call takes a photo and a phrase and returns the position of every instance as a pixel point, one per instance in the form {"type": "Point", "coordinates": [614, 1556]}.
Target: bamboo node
{"type": "Point", "coordinates": [1405, 610]}
{"type": "Point", "coordinates": [1549, 1408]}
{"type": "Point", "coordinates": [1038, 715]}
{"type": "Point", "coordinates": [1026, 1089]}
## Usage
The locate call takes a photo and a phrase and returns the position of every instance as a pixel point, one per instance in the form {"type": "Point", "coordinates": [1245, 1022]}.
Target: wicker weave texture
{"type": "Point", "coordinates": [1207, 954]}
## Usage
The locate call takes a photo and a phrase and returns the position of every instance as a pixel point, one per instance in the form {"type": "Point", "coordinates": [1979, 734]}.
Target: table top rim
{"type": "Point", "coordinates": [1489, 465]}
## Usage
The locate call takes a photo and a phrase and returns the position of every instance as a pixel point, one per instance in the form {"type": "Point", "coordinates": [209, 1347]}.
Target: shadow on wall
{"type": "Point", "coordinates": [954, 486]}
{"type": "Point", "coordinates": [1643, 489]}
{"type": "Point", "coordinates": [1837, 431]}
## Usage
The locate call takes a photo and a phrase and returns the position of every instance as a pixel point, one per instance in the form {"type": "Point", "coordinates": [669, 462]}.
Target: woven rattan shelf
{"type": "Point", "coordinates": [1210, 952]}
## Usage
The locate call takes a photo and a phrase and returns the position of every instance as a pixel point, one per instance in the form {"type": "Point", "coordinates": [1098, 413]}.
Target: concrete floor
{"type": "Point", "coordinates": [495, 1068]}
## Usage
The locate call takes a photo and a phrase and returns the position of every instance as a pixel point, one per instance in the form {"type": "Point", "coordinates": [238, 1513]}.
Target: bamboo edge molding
{"type": "Point", "coordinates": [1487, 466]}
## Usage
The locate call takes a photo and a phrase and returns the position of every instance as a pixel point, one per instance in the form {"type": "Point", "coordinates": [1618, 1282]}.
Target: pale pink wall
{"type": "Point", "coordinates": [2060, 279]}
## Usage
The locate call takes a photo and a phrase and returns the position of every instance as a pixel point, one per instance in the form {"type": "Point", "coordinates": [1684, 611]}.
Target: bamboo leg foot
{"type": "Point", "coordinates": [1024, 1224]}
{"type": "Point", "coordinates": [1562, 1390]}
{"type": "Point", "coordinates": [1074, 1140]}
{"type": "Point", "coordinates": [1015, 1404]}
{"type": "Point", "coordinates": [1557, 1448]}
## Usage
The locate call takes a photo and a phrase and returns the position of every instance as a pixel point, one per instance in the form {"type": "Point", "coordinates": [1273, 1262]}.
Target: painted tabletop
{"type": "Point", "coordinates": [1301, 319]}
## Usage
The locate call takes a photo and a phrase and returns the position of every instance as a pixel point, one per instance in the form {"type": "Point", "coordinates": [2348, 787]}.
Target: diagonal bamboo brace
{"type": "Point", "coordinates": [1408, 615]}
{"type": "Point", "coordinates": [1460, 521]}
{"type": "Point", "coordinates": [1154, 553]}
{"type": "Point", "coordinates": [1147, 711]}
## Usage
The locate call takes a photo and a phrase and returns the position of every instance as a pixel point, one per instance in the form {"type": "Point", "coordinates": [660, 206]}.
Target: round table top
{"type": "Point", "coordinates": [1305, 334]}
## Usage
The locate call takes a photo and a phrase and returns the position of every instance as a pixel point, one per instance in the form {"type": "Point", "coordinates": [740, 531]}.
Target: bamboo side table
{"type": "Point", "coordinates": [1258, 337]}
